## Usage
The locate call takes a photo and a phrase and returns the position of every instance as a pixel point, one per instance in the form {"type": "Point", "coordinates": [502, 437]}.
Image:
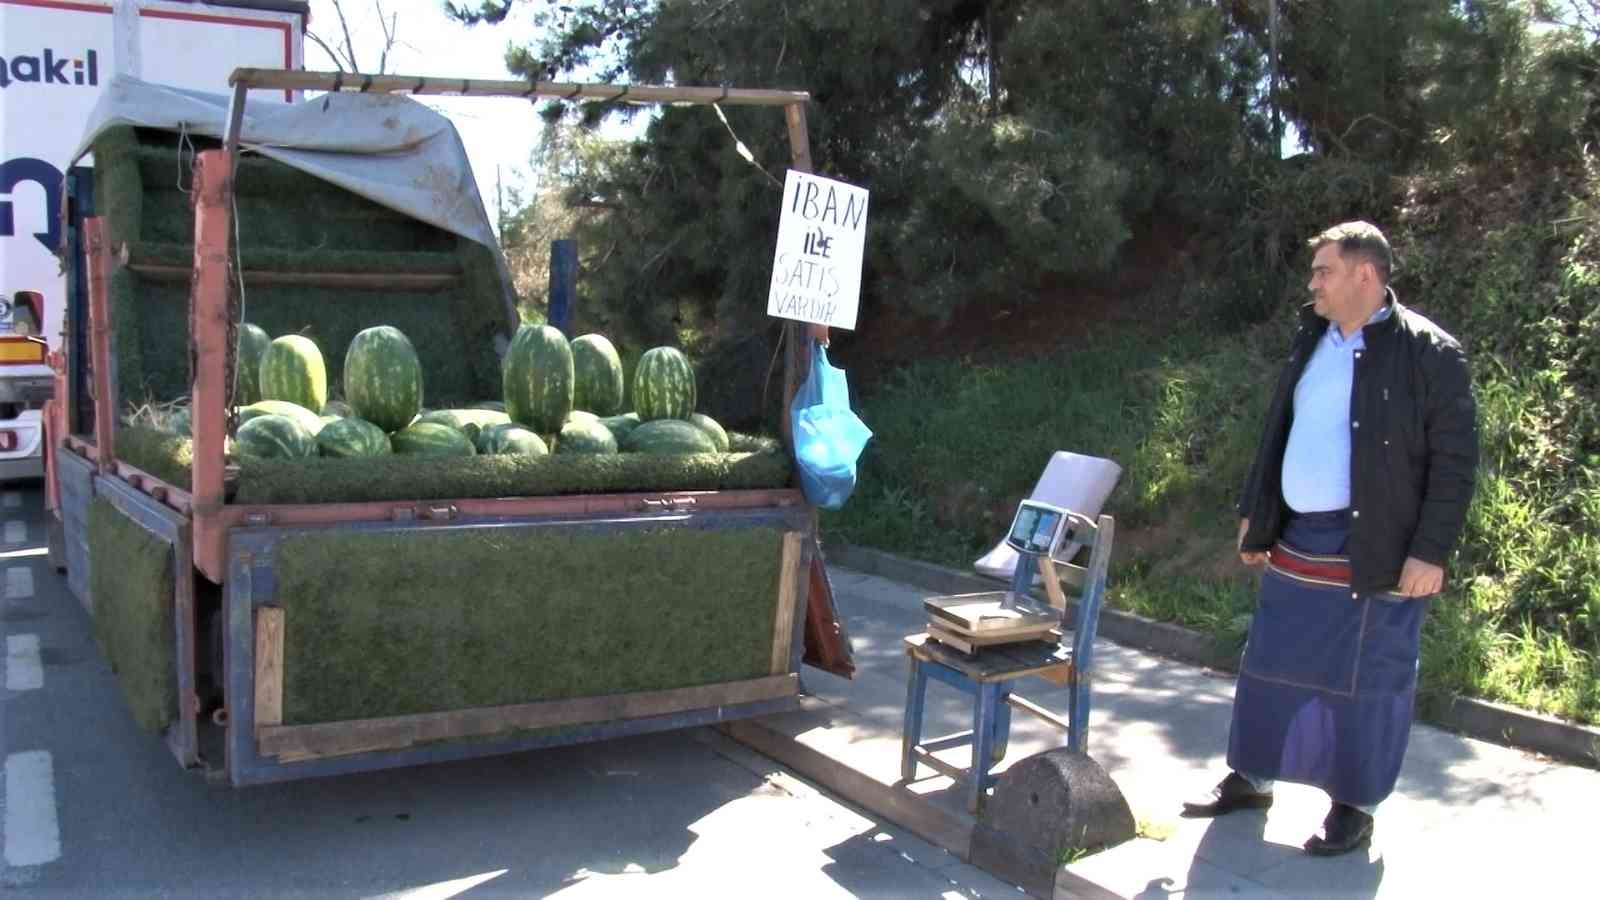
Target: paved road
{"type": "Point", "coordinates": [92, 807]}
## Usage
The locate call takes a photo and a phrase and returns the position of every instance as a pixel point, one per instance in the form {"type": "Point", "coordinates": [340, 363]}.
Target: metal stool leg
{"type": "Point", "coordinates": [1002, 722]}
{"type": "Point", "coordinates": [911, 735]}
{"type": "Point", "coordinates": [1078, 716]}
{"type": "Point", "coordinates": [983, 722]}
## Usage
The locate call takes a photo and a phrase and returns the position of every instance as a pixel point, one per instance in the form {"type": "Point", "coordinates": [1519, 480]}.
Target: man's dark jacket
{"type": "Point", "coordinates": [1413, 447]}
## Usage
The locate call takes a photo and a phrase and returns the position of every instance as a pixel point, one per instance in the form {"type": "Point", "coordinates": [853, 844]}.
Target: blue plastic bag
{"type": "Point", "coordinates": [828, 437]}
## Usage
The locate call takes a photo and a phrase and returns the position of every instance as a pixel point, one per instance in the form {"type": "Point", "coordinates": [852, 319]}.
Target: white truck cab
{"type": "Point", "coordinates": [55, 59]}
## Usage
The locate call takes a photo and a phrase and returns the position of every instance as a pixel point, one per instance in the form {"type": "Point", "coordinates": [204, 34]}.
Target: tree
{"type": "Point", "coordinates": [344, 55]}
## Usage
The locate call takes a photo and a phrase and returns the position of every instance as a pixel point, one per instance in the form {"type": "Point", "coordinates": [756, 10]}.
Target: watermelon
{"type": "Point", "coordinates": [663, 385]}
{"type": "Point", "coordinates": [537, 378]}
{"type": "Point", "coordinates": [383, 377]}
{"type": "Point", "coordinates": [308, 420]}
{"type": "Point", "coordinates": [352, 437]}
{"type": "Point", "coordinates": [586, 437]}
{"type": "Point", "coordinates": [511, 439]}
{"type": "Point", "coordinates": [712, 429]}
{"type": "Point", "coordinates": [338, 408]}
{"type": "Point", "coordinates": [669, 436]}
{"type": "Point", "coordinates": [274, 437]}
{"type": "Point", "coordinates": [596, 375]}
{"type": "Point", "coordinates": [621, 425]}
{"type": "Point", "coordinates": [292, 369]}
{"type": "Point", "coordinates": [253, 341]}
{"type": "Point", "coordinates": [582, 417]}
{"type": "Point", "coordinates": [431, 439]}
{"type": "Point", "coordinates": [459, 419]}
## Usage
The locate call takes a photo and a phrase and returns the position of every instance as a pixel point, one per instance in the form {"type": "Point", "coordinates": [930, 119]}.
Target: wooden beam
{"type": "Point", "coordinates": [98, 266]}
{"type": "Point", "coordinates": [292, 743]}
{"type": "Point", "coordinates": [284, 515]}
{"type": "Point", "coordinates": [788, 588]}
{"type": "Point", "coordinates": [269, 667]}
{"type": "Point", "coordinates": [361, 281]}
{"type": "Point", "coordinates": [208, 328]}
{"type": "Point", "coordinates": [482, 87]}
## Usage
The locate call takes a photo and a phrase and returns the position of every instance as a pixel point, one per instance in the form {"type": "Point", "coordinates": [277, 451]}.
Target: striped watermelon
{"type": "Point", "coordinates": [383, 377]}
{"type": "Point", "coordinates": [459, 419]}
{"type": "Point", "coordinates": [308, 420]}
{"type": "Point", "coordinates": [712, 429]}
{"type": "Point", "coordinates": [338, 408]}
{"type": "Point", "coordinates": [621, 425]}
{"type": "Point", "coordinates": [274, 437]}
{"type": "Point", "coordinates": [663, 385]}
{"type": "Point", "coordinates": [597, 375]}
{"type": "Point", "coordinates": [352, 437]}
{"type": "Point", "coordinates": [253, 341]}
{"type": "Point", "coordinates": [292, 369]}
{"type": "Point", "coordinates": [537, 378]}
{"type": "Point", "coordinates": [586, 437]}
{"type": "Point", "coordinates": [431, 439]}
{"type": "Point", "coordinates": [669, 436]}
{"type": "Point", "coordinates": [511, 439]}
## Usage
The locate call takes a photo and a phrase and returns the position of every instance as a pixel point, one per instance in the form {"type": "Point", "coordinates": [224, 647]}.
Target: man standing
{"type": "Point", "coordinates": [1357, 495]}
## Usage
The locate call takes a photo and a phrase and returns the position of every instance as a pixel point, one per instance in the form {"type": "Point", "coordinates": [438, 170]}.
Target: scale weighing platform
{"type": "Point", "coordinates": [1041, 535]}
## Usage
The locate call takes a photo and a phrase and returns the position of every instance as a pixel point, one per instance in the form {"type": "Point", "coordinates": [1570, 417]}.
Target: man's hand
{"type": "Point", "coordinates": [1253, 558]}
{"type": "Point", "coordinates": [1420, 579]}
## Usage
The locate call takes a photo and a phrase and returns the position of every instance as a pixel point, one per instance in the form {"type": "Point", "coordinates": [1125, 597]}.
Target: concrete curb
{"type": "Point", "coordinates": [1492, 722]}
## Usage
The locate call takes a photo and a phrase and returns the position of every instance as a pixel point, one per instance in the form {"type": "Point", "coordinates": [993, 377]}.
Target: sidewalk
{"type": "Point", "coordinates": [1468, 818]}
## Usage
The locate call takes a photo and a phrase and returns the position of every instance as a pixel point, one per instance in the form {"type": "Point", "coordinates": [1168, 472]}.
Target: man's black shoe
{"type": "Point", "coordinates": [1234, 792]}
{"type": "Point", "coordinates": [1345, 829]}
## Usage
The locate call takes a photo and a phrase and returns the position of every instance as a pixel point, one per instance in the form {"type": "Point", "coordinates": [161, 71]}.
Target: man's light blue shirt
{"type": "Point", "coordinates": [1316, 462]}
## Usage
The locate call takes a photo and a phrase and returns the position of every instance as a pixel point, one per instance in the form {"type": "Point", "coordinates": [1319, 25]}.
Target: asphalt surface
{"type": "Point", "coordinates": [93, 807]}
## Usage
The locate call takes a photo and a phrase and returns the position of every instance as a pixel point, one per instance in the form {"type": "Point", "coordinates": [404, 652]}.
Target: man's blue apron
{"type": "Point", "coordinates": [1328, 681]}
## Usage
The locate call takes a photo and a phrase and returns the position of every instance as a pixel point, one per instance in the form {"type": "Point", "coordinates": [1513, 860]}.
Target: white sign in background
{"type": "Point", "coordinates": [816, 269]}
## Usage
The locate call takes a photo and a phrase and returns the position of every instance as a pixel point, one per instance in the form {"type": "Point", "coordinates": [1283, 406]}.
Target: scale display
{"type": "Point", "coordinates": [1037, 529]}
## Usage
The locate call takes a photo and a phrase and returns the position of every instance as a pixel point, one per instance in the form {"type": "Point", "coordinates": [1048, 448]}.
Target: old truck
{"type": "Point", "coordinates": [282, 619]}
{"type": "Point", "coordinates": [55, 58]}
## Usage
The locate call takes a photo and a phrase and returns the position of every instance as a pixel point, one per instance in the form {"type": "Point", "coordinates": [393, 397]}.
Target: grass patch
{"type": "Point", "coordinates": [959, 443]}
{"type": "Point", "coordinates": [131, 582]}
{"type": "Point", "coordinates": [580, 612]}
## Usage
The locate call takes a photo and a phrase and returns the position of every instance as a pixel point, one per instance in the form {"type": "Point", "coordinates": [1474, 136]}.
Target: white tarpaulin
{"type": "Point", "coordinates": [387, 148]}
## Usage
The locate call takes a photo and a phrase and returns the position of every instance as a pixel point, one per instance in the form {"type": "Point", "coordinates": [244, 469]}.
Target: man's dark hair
{"type": "Point", "coordinates": [1359, 239]}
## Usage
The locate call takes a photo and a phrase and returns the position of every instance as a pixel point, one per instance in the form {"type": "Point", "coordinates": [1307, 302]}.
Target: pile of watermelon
{"type": "Point", "coordinates": [560, 397]}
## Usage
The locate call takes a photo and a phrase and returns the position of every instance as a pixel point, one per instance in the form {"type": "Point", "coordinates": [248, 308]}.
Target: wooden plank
{"type": "Point", "coordinates": [368, 281]}
{"type": "Point", "coordinates": [285, 515]}
{"type": "Point", "coordinates": [788, 588]}
{"type": "Point", "coordinates": [98, 271]}
{"type": "Point", "coordinates": [269, 667]}
{"type": "Point", "coordinates": [484, 87]}
{"type": "Point", "coordinates": [208, 326]}
{"type": "Point", "coordinates": [302, 742]}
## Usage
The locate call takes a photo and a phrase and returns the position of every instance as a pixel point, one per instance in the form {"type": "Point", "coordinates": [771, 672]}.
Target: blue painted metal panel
{"type": "Point", "coordinates": [563, 284]}
{"type": "Point", "coordinates": [75, 478]}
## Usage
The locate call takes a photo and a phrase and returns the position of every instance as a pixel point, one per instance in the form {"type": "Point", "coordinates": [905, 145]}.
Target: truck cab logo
{"type": "Point", "coordinates": [49, 68]}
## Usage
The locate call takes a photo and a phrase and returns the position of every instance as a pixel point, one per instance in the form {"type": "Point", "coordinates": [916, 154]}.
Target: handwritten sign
{"type": "Point", "coordinates": [816, 270]}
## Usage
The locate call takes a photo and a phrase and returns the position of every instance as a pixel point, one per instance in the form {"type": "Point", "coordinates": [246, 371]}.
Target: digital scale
{"type": "Point", "coordinates": [1042, 536]}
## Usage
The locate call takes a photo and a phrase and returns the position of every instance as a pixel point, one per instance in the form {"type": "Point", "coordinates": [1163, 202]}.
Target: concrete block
{"type": "Point", "coordinates": [1044, 808]}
